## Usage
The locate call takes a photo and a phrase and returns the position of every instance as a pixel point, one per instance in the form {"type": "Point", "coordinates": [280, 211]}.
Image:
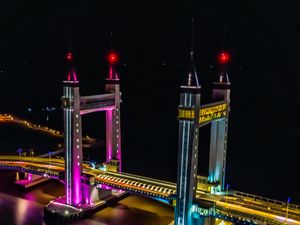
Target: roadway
{"type": "Point", "coordinates": [240, 206]}
{"type": "Point", "coordinates": [8, 118]}
{"type": "Point", "coordinates": [162, 189]}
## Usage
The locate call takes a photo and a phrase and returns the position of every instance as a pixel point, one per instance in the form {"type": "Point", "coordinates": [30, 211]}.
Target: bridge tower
{"type": "Point", "coordinates": [72, 130]}
{"type": "Point", "coordinates": [218, 138]}
{"type": "Point", "coordinates": [113, 122]}
{"type": "Point", "coordinates": [187, 146]}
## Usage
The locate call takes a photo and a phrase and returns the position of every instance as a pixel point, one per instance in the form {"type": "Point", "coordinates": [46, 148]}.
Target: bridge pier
{"type": "Point", "coordinates": [94, 199]}
{"type": "Point", "coordinates": [29, 179]}
{"type": "Point", "coordinates": [204, 220]}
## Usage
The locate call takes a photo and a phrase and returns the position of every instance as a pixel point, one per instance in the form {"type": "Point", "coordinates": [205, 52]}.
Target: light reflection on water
{"type": "Point", "coordinates": [25, 207]}
{"type": "Point", "coordinates": [22, 210]}
{"type": "Point", "coordinates": [18, 211]}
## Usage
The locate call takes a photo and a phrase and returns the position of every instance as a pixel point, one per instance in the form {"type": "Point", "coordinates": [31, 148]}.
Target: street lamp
{"type": "Point", "coordinates": [20, 152]}
{"type": "Point", "coordinates": [287, 209]}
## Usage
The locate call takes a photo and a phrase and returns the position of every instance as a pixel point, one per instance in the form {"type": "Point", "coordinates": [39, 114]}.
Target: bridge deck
{"type": "Point", "coordinates": [154, 188]}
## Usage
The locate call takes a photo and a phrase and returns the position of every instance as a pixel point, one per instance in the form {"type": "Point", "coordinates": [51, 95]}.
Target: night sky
{"type": "Point", "coordinates": [152, 39]}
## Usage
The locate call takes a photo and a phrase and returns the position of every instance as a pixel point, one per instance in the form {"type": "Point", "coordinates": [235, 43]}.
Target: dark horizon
{"type": "Point", "coordinates": [153, 43]}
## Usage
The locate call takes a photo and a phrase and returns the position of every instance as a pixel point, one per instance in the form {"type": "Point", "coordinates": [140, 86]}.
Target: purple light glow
{"type": "Point", "coordinates": [77, 184]}
{"type": "Point", "coordinates": [119, 156]}
{"type": "Point", "coordinates": [109, 150]}
{"type": "Point", "coordinates": [72, 75]}
{"type": "Point", "coordinates": [85, 111]}
{"type": "Point", "coordinates": [105, 187]}
{"type": "Point", "coordinates": [86, 193]}
{"type": "Point", "coordinates": [112, 74]}
{"type": "Point", "coordinates": [29, 176]}
{"type": "Point", "coordinates": [30, 196]}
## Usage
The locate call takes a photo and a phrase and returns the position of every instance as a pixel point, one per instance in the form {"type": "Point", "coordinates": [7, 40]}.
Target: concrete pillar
{"type": "Point", "coordinates": [72, 135]}
{"type": "Point", "coordinates": [17, 176]}
{"type": "Point", "coordinates": [113, 123]}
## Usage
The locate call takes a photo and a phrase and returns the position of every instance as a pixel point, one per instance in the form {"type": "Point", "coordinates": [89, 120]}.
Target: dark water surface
{"type": "Point", "coordinates": [25, 207]}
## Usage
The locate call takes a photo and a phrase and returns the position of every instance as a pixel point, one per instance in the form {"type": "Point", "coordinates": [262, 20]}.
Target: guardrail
{"type": "Point", "coordinates": [264, 199]}
{"type": "Point", "coordinates": [30, 159]}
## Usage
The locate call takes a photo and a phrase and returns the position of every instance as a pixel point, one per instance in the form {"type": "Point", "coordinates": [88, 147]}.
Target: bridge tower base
{"type": "Point", "coordinates": [94, 200]}
{"type": "Point", "coordinates": [204, 220]}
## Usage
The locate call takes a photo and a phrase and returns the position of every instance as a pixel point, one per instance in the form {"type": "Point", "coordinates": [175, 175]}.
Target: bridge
{"type": "Point", "coordinates": [232, 207]}
{"type": "Point", "coordinates": [197, 200]}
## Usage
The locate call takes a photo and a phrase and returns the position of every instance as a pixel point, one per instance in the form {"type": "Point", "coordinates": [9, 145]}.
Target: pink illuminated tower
{"type": "Point", "coordinates": [72, 130]}
{"type": "Point", "coordinates": [113, 125]}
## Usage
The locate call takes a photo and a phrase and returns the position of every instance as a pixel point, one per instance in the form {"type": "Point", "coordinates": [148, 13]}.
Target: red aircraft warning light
{"type": "Point", "coordinates": [69, 57]}
{"type": "Point", "coordinates": [112, 58]}
{"type": "Point", "coordinates": [223, 57]}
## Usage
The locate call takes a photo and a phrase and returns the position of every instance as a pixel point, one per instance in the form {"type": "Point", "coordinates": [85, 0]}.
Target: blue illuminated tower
{"type": "Point", "coordinates": [218, 139]}
{"type": "Point", "coordinates": [187, 146]}
{"type": "Point", "coordinates": [72, 135]}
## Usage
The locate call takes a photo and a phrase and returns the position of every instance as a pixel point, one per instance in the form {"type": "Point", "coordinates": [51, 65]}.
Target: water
{"type": "Point", "coordinates": [20, 206]}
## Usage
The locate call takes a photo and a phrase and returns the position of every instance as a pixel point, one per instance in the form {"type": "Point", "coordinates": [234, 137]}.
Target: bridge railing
{"type": "Point", "coordinates": [229, 215]}
{"type": "Point", "coordinates": [30, 159]}
{"type": "Point", "coordinates": [33, 170]}
{"type": "Point", "coordinates": [264, 199]}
